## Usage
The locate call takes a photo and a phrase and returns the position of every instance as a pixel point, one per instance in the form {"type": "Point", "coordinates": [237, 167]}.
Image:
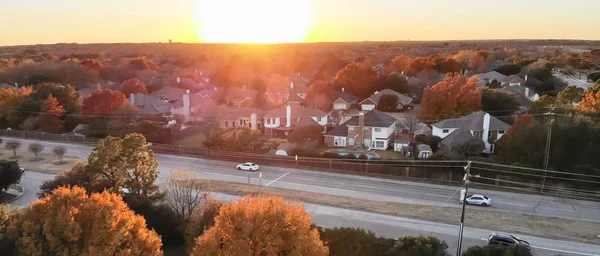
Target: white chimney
{"type": "Point", "coordinates": [343, 89]}
{"type": "Point", "coordinates": [178, 80]}
{"type": "Point", "coordinates": [132, 99]}
{"type": "Point", "coordinates": [361, 128]}
{"type": "Point", "coordinates": [525, 77]}
{"type": "Point", "coordinates": [527, 92]}
{"type": "Point", "coordinates": [376, 92]}
{"type": "Point", "coordinates": [288, 116]}
{"type": "Point", "coordinates": [486, 130]}
{"type": "Point", "coordinates": [292, 85]}
{"type": "Point", "coordinates": [253, 123]}
{"type": "Point", "coordinates": [186, 106]}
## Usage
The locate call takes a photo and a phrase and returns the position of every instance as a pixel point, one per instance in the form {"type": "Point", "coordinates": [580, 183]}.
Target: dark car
{"type": "Point", "coordinates": [506, 239]}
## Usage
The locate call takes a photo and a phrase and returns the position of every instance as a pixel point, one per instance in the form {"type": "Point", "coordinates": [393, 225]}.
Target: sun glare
{"type": "Point", "coordinates": [254, 21]}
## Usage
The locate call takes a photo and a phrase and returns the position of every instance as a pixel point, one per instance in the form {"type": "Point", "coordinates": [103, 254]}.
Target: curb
{"type": "Point", "coordinates": [19, 195]}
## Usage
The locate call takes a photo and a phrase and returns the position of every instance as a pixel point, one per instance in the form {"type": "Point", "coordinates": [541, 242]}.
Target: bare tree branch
{"type": "Point", "coordinates": [185, 192]}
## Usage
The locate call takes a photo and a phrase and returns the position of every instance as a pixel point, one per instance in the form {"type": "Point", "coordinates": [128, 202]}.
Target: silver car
{"type": "Point", "coordinates": [477, 199]}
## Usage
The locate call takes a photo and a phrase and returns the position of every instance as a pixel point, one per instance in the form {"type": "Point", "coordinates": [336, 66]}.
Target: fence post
{"type": "Point", "coordinates": [450, 175]}
{"type": "Point", "coordinates": [65, 137]}
{"type": "Point", "coordinates": [367, 167]}
{"type": "Point", "coordinates": [43, 136]}
{"type": "Point", "coordinates": [406, 172]}
{"type": "Point", "coordinates": [296, 160]}
{"type": "Point", "coordinates": [330, 163]}
{"type": "Point", "coordinates": [497, 181]}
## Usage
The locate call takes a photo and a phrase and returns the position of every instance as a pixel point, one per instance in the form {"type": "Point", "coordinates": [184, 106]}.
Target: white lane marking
{"type": "Point", "coordinates": [557, 250]}
{"type": "Point", "coordinates": [364, 186]}
{"type": "Point", "coordinates": [276, 179]}
{"type": "Point", "coordinates": [300, 178]}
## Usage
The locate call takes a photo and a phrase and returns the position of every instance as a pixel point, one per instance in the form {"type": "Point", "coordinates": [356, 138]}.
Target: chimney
{"type": "Point", "coordinates": [527, 92]}
{"type": "Point", "coordinates": [486, 130]}
{"type": "Point", "coordinates": [292, 85]}
{"type": "Point", "coordinates": [253, 123]}
{"type": "Point", "coordinates": [361, 129]}
{"type": "Point", "coordinates": [288, 116]}
{"type": "Point", "coordinates": [132, 99]}
{"type": "Point", "coordinates": [376, 92]}
{"type": "Point", "coordinates": [525, 78]}
{"type": "Point", "coordinates": [186, 106]}
{"type": "Point", "coordinates": [178, 80]}
{"type": "Point", "coordinates": [343, 89]}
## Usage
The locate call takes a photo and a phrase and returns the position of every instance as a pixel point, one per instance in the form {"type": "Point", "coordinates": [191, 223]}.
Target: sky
{"type": "Point", "coordinates": [108, 21]}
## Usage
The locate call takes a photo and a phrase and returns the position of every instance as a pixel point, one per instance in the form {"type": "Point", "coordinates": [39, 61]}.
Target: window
{"type": "Point", "coordinates": [268, 120]}
{"type": "Point", "coordinates": [377, 129]}
{"type": "Point", "coordinates": [318, 119]}
{"type": "Point", "coordinates": [500, 131]}
{"type": "Point", "coordinates": [379, 144]}
{"type": "Point", "coordinates": [366, 129]}
{"type": "Point", "coordinates": [445, 131]}
{"type": "Point", "coordinates": [233, 124]}
{"type": "Point", "coordinates": [350, 128]}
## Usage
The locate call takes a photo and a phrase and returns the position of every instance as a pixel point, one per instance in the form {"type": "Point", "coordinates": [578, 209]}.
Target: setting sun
{"type": "Point", "coordinates": [259, 21]}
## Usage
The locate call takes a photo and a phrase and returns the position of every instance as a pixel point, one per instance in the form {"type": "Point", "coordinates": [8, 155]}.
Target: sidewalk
{"type": "Point", "coordinates": [426, 228]}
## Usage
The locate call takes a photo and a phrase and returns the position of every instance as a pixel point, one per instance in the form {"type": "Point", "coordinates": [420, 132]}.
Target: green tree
{"type": "Point", "coordinates": [542, 105]}
{"type": "Point", "coordinates": [306, 133]}
{"type": "Point", "coordinates": [69, 222]}
{"type": "Point", "coordinates": [499, 103]}
{"type": "Point", "coordinates": [74, 176]}
{"type": "Point", "coordinates": [509, 69]}
{"type": "Point", "coordinates": [570, 95]}
{"type": "Point", "coordinates": [419, 246]}
{"type": "Point", "coordinates": [355, 242]}
{"type": "Point", "coordinates": [388, 102]}
{"type": "Point", "coordinates": [497, 250]}
{"type": "Point", "coordinates": [125, 165]}
{"type": "Point", "coordinates": [10, 173]}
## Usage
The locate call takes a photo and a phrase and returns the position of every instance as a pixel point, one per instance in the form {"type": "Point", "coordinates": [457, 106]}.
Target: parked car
{"type": "Point", "coordinates": [248, 167]}
{"type": "Point", "coordinates": [506, 239]}
{"type": "Point", "coordinates": [478, 199]}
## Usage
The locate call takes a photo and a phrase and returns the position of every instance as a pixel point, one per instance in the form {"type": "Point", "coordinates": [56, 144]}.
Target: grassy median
{"type": "Point", "coordinates": [44, 162]}
{"type": "Point", "coordinates": [526, 224]}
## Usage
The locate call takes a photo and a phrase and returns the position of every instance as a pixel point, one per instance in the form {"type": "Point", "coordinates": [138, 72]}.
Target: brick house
{"type": "Point", "coordinates": [373, 129]}
{"type": "Point", "coordinates": [478, 124]}
{"type": "Point", "coordinates": [280, 121]}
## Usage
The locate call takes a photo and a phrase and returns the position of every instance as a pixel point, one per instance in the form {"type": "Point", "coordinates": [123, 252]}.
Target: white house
{"type": "Point", "coordinates": [282, 120]}
{"type": "Point", "coordinates": [374, 129]}
{"type": "Point", "coordinates": [373, 101]}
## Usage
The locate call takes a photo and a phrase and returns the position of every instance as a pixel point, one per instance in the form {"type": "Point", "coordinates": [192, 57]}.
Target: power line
{"type": "Point", "coordinates": [534, 169]}
{"type": "Point", "coordinates": [536, 175]}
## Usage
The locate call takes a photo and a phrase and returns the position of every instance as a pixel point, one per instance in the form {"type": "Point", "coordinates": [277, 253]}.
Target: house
{"type": "Point", "coordinates": [373, 101]}
{"type": "Point", "coordinates": [168, 94]}
{"type": "Point", "coordinates": [525, 95]}
{"type": "Point", "coordinates": [242, 117]}
{"type": "Point", "coordinates": [215, 94]}
{"type": "Point", "coordinates": [240, 96]}
{"type": "Point", "coordinates": [489, 77]}
{"type": "Point", "coordinates": [279, 95]}
{"type": "Point", "coordinates": [424, 151]}
{"type": "Point", "coordinates": [150, 106]}
{"type": "Point", "coordinates": [512, 80]}
{"type": "Point", "coordinates": [480, 124]}
{"type": "Point", "coordinates": [373, 129]}
{"type": "Point", "coordinates": [454, 142]}
{"type": "Point", "coordinates": [402, 144]}
{"type": "Point", "coordinates": [282, 120]}
{"type": "Point", "coordinates": [343, 100]}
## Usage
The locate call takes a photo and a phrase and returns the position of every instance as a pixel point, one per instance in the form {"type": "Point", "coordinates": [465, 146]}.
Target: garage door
{"type": "Point", "coordinates": [339, 105]}
{"type": "Point", "coordinates": [367, 107]}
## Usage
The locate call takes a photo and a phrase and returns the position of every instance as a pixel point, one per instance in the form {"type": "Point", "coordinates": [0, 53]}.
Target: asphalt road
{"type": "Point", "coordinates": [353, 186]}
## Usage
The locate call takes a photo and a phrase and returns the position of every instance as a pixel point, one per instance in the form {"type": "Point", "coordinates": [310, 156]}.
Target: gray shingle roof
{"type": "Point", "coordinates": [457, 137]}
{"type": "Point", "coordinates": [513, 79]}
{"type": "Point", "coordinates": [347, 97]}
{"type": "Point", "coordinates": [473, 122]}
{"type": "Point", "coordinates": [297, 111]}
{"type": "Point", "coordinates": [405, 100]}
{"type": "Point", "coordinates": [490, 76]}
{"type": "Point", "coordinates": [141, 99]}
{"type": "Point", "coordinates": [373, 118]}
{"type": "Point", "coordinates": [168, 93]}
{"type": "Point", "coordinates": [340, 130]}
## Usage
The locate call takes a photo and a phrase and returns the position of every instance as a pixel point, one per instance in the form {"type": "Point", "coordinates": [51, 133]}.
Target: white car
{"type": "Point", "coordinates": [248, 167]}
{"type": "Point", "coordinates": [478, 199]}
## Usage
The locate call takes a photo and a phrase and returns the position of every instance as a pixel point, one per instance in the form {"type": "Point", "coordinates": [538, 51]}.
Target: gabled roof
{"type": "Point", "coordinates": [168, 93]}
{"type": "Point", "coordinates": [238, 94]}
{"type": "Point", "coordinates": [373, 118]}
{"type": "Point", "coordinates": [295, 98]}
{"type": "Point", "coordinates": [238, 113]}
{"type": "Point", "coordinates": [141, 99]}
{"type": "Point", "coordinates": [513, 79]}
{"type": "Point", "coordinates": [473, 122]}
{"type": "Point", "coordinates": [297, 111]}
{"type": "Point", "coordinates": [347, 97]}
{"type": "Point", "coordinates": [423, 147]}
{"type": "Point", "coordinates": [298, 88]}
{"type": "Point", "coordinates": [519, 92]}
{"type": "Point", "coordinates": [490, 76]}
{"type": "Point", "coordinates": [213, 93]}
{"type": "Point", "coordinates": [457, 137]}
{"type": "Point", "coordinates": [405, 100]}
{"type": "Point", "coordinates": [340, 130]}
{"type": "Point", "coordinates": [306, 121]}
{"type": "Point", "coordinates": [153, 110]}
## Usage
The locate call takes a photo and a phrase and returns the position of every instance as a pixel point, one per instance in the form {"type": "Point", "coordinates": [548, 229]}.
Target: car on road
{"type": "Point", "coordinates": [477, 199]}
{"type": "Point", "coordinates": [248, 167]}
{"type": "Point", "coordinates": [507, 239]}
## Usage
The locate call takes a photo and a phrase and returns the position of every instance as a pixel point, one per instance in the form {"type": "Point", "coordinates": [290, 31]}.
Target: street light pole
{"type": "Point", "coordinates": [464, 204]}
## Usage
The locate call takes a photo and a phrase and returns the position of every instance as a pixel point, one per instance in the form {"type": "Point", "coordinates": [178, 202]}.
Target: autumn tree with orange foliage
{"type": "Point", "coordinates": [399, 64]}
{"type": "Point", "coordinates": [92, 64]}
{"type": "Point", "coordinates": [133, 85]}
{"type": "Point", "coordinates": [50, 118]}
{"type": "Point", "coordinates": [69, 222]}
{"type": "Point", "coordinates": [356, 78]}
{"type": "Point", "coordinates": [452, 97]}
{"type": "Point", "coordinates": [102, 102]}
{"type": "Point", "coordinates": [260, 225]}
{"type": "Point", "coordinates": [590, 102]}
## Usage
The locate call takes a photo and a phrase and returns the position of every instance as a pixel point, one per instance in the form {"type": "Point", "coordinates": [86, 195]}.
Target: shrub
{"type": "Point", "coordinates": [36, 148]}
{"type": "Point", "coordinates": [493, 250]}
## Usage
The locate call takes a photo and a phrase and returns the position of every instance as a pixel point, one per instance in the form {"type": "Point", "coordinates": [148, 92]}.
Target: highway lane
{"type": "Point", "coordinates": [368, 188]}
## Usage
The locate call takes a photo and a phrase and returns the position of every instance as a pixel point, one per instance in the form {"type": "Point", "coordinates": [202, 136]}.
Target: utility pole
{"type": "Point", "coordinates": [547, 151]}
{"type": "Point", "coordinates": [464, 205]}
